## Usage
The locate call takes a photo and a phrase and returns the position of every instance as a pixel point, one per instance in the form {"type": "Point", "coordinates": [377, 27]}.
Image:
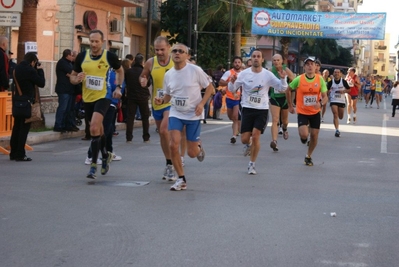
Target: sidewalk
{"type": "Point", "coordinates": [49, 136]}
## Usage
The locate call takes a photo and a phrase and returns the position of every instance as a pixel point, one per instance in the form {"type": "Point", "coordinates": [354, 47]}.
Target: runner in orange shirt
{"type": "Point", "coordinates": [309, 86]}
{"type": "Point", "coordinates": [233, 100]}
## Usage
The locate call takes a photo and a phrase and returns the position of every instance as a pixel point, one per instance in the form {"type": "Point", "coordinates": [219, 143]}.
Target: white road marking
{"type": "Point", "coordinates": [384, 141]}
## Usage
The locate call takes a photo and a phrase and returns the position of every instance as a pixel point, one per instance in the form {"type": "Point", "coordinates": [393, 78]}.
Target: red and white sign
{"type": "Point", "coordinates": [291, 58]}
{"type": "Point", "coordinates": [11, 5]}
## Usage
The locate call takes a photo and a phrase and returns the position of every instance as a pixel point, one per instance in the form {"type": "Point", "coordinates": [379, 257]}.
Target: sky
{"type": "Point", "coordinates": [376, 6]}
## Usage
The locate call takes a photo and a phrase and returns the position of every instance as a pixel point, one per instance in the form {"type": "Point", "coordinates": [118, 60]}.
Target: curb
{"type": "Point", "coordinates": [50, 136]}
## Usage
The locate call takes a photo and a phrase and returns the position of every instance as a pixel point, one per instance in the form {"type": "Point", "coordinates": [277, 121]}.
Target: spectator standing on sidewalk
{"type": "Point", "coordinates": [28, 75]}
{"type": "Point", "coordinates": [138, 97]}
{"type": "Point", "coordinates": [4, 64]}
{"type": "Point", "coordinates": [395, 97]}
{"type": "Point", "coordinates": [65, 117]}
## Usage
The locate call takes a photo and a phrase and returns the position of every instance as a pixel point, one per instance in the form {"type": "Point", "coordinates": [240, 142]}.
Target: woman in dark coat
{"type": "Point", "coordinates": [28, 74]}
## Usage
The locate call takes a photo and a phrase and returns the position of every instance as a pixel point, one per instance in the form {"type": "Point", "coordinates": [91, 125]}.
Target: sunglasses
{"type": "Point", "coordinates": [181, 51]}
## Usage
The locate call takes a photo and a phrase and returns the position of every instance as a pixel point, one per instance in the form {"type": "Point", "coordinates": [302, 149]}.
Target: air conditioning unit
{"type": "Point", "coordinates": [115, 26]}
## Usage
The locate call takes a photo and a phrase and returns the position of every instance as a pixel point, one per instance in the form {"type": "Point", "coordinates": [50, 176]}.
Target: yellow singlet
{"type": "Point", "coordinates": [158, 73]}
{"type": "Point", "coordinates": [94, 87]}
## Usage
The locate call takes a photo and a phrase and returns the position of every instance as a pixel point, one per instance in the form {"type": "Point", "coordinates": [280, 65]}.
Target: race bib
{"type": "Point", "coordinates": [181, 103]}
{"type": "Point", "coordinates": [94, 83]}
{"type": "Point", "coordinates": [255, 100]}
{"type": "Point", "coordinates": [309, 100]}
{"type": "Point", "coordinates": [159, 92]}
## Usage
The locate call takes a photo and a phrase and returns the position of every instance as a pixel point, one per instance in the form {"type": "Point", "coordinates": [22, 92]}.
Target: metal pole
{"type": "Point", "coordinates": [149, 23]}
{"type": "Point", "coordinates": [195, 44]}
{"type": "Point", "coordinates": [230, 35]}
{"type": "Point", "coordinates": [190, 20]}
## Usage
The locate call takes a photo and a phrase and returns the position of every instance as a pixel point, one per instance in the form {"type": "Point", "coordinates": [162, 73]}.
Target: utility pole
{"type": "Point", "coordinates": [149, 23]}
{"type": "Point", "coordinates": [190, 24]}
{"type": "Point", "coordinates": [195, 44]}
{"type": "Point", "coordinates": [230, 35]}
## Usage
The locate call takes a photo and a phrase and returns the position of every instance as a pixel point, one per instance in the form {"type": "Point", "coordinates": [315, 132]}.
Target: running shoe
{"type": "Point", "coordinates": [285, 134]}
{"type": "Point", "coordinates": [88, 161]}
{"type": "Point", "coordinates": [280, 130]}
{"type": "Point", "coordinates": [116, 157]}
{"type": "Point", "coordinates": [170, 173]}
{"type": "Point", "coordinates": [366, 105]}
{"type": "Point", "coordinates": [201, 155]}
{"type": "Point", "coordinates": [354, 120]}
{"type": "Point", "coordinates": [247, 150]}
{"type": "Point", "coordinates": [182, 161]}
{"type": "Point", "coordinates": [251, 169]}
{"type": "Point", "coordinates": [348, 121]}
{"type": "Point", "coordinates": [180, 184]}
{"type": "Point", "coordinates": [105, 164]}
{"type": "Point", "coordinates": [233, 140]}
{"type": "Point", "coordinates": [308, 161]}
{"type": "Point", "coordinates": [337, 133]}
{"type": "Point", "coordinates": [273, 145]}
{"type": "Point", "coordinates": [92, 171]}
{"type": "Point", "coordinates": [322, 119]}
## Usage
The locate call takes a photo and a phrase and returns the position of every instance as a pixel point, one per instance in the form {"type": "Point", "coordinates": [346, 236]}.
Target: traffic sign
{"type": "Point", "coordinates": [10, 19]}
{"type": "Point", "coordinates": [11, 5]}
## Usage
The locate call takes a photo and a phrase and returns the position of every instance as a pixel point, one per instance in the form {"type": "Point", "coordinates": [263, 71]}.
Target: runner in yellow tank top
{"type": "Point", "coordinates": [155, 69]}
{"type": "Point", "coordinates": [91, 68]}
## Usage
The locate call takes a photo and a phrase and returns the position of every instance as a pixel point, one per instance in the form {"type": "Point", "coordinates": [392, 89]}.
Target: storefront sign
{"type": "Point", "coordinates": [90, 20]}
{"type": "Point", "coordinates": [30, 47]}
{"type": "Point", "coordinates": [326, 25]}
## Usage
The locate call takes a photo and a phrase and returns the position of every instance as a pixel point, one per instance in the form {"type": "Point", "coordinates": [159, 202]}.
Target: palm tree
{"type": "Point", "coordinates": [28, 33]}
{"type": "Point", "coordinates": [27, 30]}
{"type": "Point", "coordinates": [299, 5]}
{"type": "Point", "coordinates": [242, 16]}
{"type": "Point", "coordinates": [324, 49]}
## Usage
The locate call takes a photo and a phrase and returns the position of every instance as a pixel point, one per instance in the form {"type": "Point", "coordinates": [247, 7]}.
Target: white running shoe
{"type": "Point", "coordinates": [179, 185]}
{"type": "Point", "coordinates": [116, 157]}
{"type": "Point", "coordinates": [247, 150]}
{"type": "Point", "coordinates": [182, 161]}
{"type": "Point", "coordinates": [251, 169]}
{"type": "Point", "coordinates": [201, 155]}
{"type": "Point", "coordinates": [169, 173]}
{"type": "Point", "coordinates": [280, 130]}
{"type": "Point", "coordinates": [88, 161]}
{"type": "Point", "coordinates": [348, 121]}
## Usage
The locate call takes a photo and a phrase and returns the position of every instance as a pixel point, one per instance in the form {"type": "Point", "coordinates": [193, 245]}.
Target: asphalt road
{"type": "Point", "coordinates": [51, 215]}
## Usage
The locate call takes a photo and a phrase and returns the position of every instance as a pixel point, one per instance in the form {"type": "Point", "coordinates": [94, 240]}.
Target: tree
{"type": "Point", "coordinates": [299, 5]}
{"type": "Point", "coordinates": [242, 17]}
{"type": "Point", "coordinates": [27, 33]}
{"type": "Point", "coordinates": [324, 49]}
{"type": "Point", "coordinates": [212, 48]}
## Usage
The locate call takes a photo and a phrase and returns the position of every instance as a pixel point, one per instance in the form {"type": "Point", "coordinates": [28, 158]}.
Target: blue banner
{"type": "Point", "coordinates": [326, 25]}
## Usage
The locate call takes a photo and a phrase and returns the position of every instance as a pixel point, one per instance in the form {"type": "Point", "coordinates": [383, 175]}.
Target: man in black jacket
{"type": "Point", "coordinates": [3, 64]}
{"type": "Point", "coordinates": [137, 97]}
{"type": "Point", "coordinates": [64, 117]}
{"type": "Point", "coordinates": [28, 75]}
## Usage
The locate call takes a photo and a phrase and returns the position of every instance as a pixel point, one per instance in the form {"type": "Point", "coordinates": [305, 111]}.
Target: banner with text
{"type": "Point", "coordinates": [327, 25]}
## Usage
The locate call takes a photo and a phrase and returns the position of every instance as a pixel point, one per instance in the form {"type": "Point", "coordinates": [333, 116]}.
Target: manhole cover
{"type": "Point", "coordinates": [116, 183]}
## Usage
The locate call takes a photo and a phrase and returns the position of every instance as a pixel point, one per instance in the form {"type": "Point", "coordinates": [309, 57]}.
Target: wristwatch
{"type": "Point", "coordinates": [119, 85]}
